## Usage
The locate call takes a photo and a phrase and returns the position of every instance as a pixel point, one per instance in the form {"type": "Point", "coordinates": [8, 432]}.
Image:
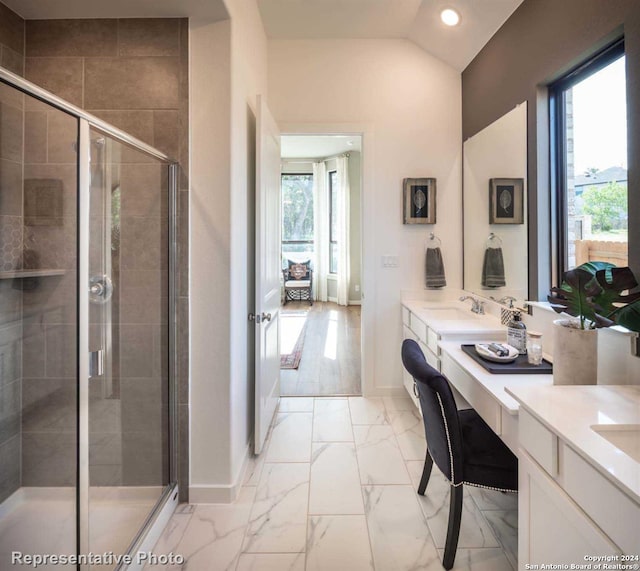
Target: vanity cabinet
{"type": "Point", "coordinates": [567, 509]}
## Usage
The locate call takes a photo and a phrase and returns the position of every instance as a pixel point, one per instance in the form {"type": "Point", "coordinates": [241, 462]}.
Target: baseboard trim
{"type": "Point", "coordinates": [355, 302]}
{"type": "Point", "coordinates": [222, 494]}
{"type": "Point", "coordinates": [387, 392]}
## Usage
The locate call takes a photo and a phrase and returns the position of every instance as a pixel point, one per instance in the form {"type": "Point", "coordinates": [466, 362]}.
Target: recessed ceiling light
{"type": "Point", "coordinates": [450, 17]}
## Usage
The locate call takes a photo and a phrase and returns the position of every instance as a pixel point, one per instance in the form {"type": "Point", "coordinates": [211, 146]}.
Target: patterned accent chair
{"type": "Point", "coordinates": [298, 282]}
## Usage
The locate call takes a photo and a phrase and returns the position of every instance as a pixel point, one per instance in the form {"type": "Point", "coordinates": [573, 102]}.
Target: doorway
{"type": "Point", "coordinates": [320, 333]}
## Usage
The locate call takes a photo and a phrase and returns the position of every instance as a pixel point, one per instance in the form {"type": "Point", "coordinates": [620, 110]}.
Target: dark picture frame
{"type": "Point", "coordinates": [506, 201]}
{"type": "Point", "coordinates": [419, 200]}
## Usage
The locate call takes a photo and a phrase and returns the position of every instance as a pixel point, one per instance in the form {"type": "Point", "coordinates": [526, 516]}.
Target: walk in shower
{"type": "Point", "coordinates": [87, 321]}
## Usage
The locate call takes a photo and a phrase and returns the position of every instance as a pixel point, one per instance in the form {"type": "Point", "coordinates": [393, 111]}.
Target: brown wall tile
{"type": "Point", "coordinates": [136, 123]}
{"type": "Point", "coordinates": [83, 38]}
{"type": "Point", "coordinates": [11, 29]}
{"type": "Point", "coordinates": [10, 188]}
{"type": "Point", "coordinates": [149, 37]}
{"type": "Point", "coordinates": [131, 83]}
{"type": "Point", "coordinates": [62, 138]}
{"type": "Point", "coordinates": [141, 190]}
{"type": "Point", "coordinates": [11, 132]}
{"type": "Point", "coordinates": [63, 77]}
{"type": "Point", "coordinates": [35, 137]}
{"type": "Point", "coordinates": [12, 60]}
{"type": "Point", "coordinates": [9, 467]}
{"type": "Point", "coordinates": [166, 133]}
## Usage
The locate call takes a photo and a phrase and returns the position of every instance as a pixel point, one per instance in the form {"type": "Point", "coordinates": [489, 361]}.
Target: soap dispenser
{"type": "Point", "coordinates": [517, 333]}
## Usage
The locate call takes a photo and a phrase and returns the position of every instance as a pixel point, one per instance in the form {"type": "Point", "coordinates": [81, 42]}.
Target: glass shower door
{"type": "Point", "coordinates": [128, 342]}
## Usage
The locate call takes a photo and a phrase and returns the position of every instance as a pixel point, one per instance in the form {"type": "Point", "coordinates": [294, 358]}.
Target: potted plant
{"type": "Point", "coordinates": [593, 294]}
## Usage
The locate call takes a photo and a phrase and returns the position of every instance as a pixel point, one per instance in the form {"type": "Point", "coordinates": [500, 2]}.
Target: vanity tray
{"type": "Point", "coordinates": [518, 367]}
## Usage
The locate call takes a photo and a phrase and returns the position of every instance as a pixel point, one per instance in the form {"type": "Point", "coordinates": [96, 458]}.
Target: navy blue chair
{"type": "Point", "coordinates": [461, 444]}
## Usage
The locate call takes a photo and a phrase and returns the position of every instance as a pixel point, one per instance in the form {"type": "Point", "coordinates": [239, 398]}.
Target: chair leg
{"type": "Point", "coordinates": [453, 530]}
{"type": "Point", "coordinates": [426, 474]}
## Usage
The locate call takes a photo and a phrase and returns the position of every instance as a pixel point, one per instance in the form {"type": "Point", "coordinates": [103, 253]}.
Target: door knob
{"type": "Point", "coordinates": [265, 316]}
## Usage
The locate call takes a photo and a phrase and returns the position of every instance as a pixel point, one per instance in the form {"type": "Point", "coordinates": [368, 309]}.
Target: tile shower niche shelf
{"type": "Point", "coordinates": [17, 274]}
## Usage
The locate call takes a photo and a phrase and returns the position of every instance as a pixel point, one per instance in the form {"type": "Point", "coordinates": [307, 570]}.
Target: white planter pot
{"type": "Point", "coordinates": [575, 354]}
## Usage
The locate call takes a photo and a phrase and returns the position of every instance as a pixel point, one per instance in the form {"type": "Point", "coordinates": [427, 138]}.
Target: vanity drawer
{"type": "Point", "coordinates": [418, 327]}
{"type": "Point", "coordinates": [432, 341]}
{"type": "Point", "coordinates": [538, 441]}
{"type": "Point", "coordinates": [405, 316]}
{"type": "Point", "coordinates": [431, 358]}
{"type": "Point", "coordinates": [473, 393]}
{"type": "Point", "coordinates": [610, 508]}
{"type": "Point", "coordinates": [510, 430]}
{"type": "Point", "coordinates": [408, 334]}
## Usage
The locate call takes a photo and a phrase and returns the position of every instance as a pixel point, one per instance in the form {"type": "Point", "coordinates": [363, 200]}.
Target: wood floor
{"type": "Point", "coordinates": [330, 363]}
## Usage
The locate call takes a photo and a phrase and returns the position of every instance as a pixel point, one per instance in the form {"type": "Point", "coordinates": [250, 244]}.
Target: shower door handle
{"type": "Point", "coordinates": [96, 363]}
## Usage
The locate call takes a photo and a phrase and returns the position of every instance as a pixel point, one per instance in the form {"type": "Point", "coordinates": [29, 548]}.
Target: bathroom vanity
{"type": "Point", "coordinates": [578, 447]}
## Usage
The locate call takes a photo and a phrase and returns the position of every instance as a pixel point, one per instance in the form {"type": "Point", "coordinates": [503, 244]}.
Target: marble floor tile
{"type": "Point", "coordinates": [479, 560]}
{"type": "Point", "coordinates": [296, 404]}
{"type": "Point", "coordinates": [379, 457]}
{"type": "Point", "coordinates": [331, 421]}
{"type": "Point", "coordinates": [278, 519]}
{"type": "Point", "coordinates": [213, 538]}
{"type": "Point", "coordinates": [335, 480]}
{"type": "Point", "coordinates": [493, 500]}
{"type": "Point", "coordinates": [400, 538]}
{"type": "Point", "coordinates": [474, 530]}
{"type": "Point", "coordinates": [409, 431]}
{"type": "Point", "coordinates": [505, 527]}
{"type": "Point", "coordinates": [290, 438]}
{"type": "Point", "coordinates": [369, 410]}
{"type": "Point", "coordinates": [254, 470]}
{"type": "Point", "coordinates": [338, 542]}
{"type": "Point", "coordinates": [398, 403]}
{"type": "Point", "coordinates": [170, 539]}
{"type": "Point", "coordinates": [271, 562]}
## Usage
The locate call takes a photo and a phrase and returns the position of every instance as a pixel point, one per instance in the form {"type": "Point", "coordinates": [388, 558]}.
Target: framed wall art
{"type": "Point", "coordinates": [419, 201]}
{"type": "Point", "coordinates": [506, 201]}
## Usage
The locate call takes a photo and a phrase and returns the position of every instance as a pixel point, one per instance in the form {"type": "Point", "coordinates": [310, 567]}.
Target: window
{"type": "Point", "coordinates": [589, 146]}
{"type": "Point", "coordinates": [297, 217]}
{"type": "Point", "coordinates": [333, 222]}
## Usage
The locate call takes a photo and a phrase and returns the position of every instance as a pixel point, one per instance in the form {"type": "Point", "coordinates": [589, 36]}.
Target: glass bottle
{"type": "Point", "coordinates": [534, 347]}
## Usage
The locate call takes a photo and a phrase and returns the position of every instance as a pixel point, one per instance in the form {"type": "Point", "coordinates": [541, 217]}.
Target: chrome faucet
{"type": "Point", "coordinates": [507, 299]}
{"type": "Point", "coordinates": [477, 306]}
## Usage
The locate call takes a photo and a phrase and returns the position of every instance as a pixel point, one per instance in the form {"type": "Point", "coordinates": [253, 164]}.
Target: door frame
{"type": "Point", "coordinates": [367, 236]}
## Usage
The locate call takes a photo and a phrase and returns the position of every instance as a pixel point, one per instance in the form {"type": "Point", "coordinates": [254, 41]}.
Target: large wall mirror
{"type": "Point", "coordinates": [495, 210]}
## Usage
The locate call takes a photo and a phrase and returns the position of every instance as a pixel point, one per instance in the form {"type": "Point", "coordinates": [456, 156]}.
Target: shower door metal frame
{"type": "Point", "coordinates": [149, 531]}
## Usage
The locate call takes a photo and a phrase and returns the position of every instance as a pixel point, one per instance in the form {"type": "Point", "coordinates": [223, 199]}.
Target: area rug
{"type": "Point", "coordinates": [293, 325]}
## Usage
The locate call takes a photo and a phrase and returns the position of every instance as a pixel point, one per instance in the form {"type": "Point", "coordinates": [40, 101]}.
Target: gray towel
{"type": "Point", "coordinates": [493, 268]}
{"type": "Point", "coordinates": [435, 269]}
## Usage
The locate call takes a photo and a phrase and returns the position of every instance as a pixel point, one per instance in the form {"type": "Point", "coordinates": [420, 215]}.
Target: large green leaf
{"type": "Point", "coordinates": [575, 294]}
{"type": "Point", "coordinates": [613, 282]}
{"type": "Point", "coordinates": [629, 316]}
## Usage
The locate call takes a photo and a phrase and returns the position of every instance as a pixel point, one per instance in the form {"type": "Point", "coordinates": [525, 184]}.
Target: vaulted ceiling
{"type": "Point", "coordinates": [416, 20]}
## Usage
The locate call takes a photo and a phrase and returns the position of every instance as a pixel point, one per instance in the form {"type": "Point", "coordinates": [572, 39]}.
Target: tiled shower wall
{"type": "Point", "coordinates": [11, 223]}
{"type": "Point", "coordinates": [134, 74]}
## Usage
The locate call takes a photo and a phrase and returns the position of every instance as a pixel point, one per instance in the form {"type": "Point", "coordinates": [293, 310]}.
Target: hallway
{"type": "Point", "coordinates": [335, 491]}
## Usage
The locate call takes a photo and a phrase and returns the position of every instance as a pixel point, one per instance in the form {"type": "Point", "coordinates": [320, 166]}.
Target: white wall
{"type": "Point", "coordinates": [210, 264]}
{"type": "Point", "coordinates": [412, 101]}
{"type": "Point", "coordinates": [227, 69]}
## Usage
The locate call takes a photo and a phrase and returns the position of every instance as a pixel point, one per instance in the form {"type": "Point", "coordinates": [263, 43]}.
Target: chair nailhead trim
{"type": "Point", "coordinates": [446, 429]}
{"type": "Point", "coordinates": [491, 488]}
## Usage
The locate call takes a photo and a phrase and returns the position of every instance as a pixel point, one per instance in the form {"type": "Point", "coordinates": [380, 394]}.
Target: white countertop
{"type": "Point", "coordinates": [570, 411]}
{"type": "Point", "coordinates": [495, 385]}
{"type": "Point", "coordinates": [428, 311]}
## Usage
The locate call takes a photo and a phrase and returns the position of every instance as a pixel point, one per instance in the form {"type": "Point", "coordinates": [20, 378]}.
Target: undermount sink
{"type": "Point", "coordinates": [625, 437]}
{"type": "Point", "coordinates": [450, 313]}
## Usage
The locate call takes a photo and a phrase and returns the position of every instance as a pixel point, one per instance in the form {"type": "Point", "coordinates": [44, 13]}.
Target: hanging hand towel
{"type": "Point", "coordinates": [493, 268]}
{"type": "Point", "coordinates": [435, 269]}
